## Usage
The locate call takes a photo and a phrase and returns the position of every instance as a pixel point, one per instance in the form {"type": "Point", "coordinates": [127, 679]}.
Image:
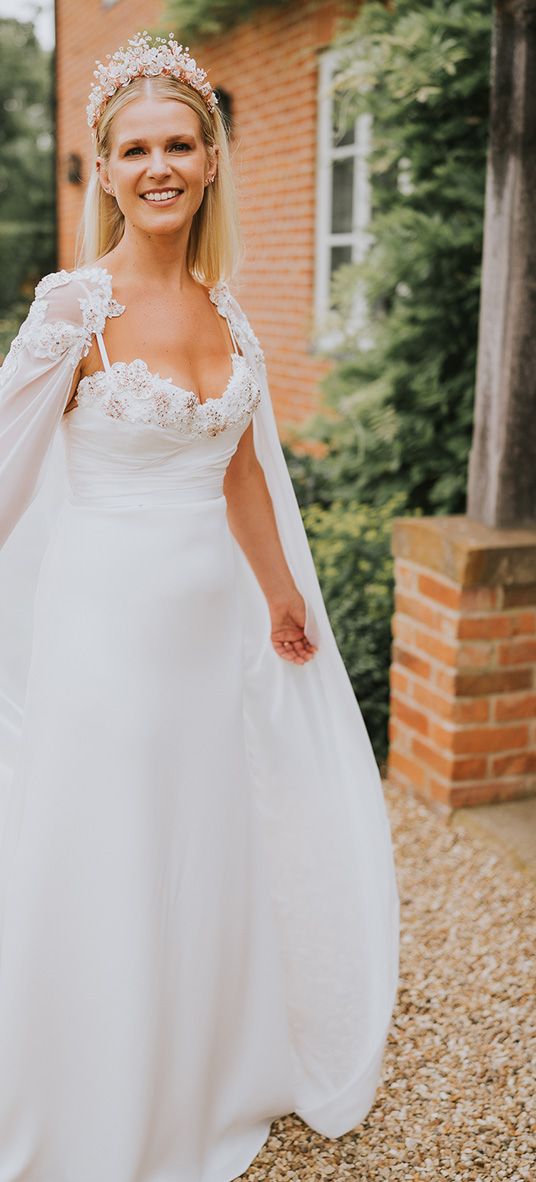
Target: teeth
{"type": "Point", "coordinates": [161, 196]}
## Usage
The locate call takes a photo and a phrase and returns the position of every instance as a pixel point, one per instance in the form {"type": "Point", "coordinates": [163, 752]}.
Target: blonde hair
{"type": "Point", "coordinates": [214, 246]}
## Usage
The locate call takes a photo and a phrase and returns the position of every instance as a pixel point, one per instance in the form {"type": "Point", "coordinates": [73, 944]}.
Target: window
{"type": "Point", "coordinates": [343, 191]}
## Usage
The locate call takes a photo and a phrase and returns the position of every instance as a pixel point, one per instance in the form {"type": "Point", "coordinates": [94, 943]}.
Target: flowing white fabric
{"type": "Point", "coordinates": [200, 915]}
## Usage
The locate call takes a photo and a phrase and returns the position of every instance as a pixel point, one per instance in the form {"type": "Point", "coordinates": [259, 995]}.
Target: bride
{"type": "Point", "coordinates": [197, 890]}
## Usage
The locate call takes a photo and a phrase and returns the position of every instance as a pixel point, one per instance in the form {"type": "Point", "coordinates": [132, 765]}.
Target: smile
{"type": "Point", "coordinates": [163, 196]}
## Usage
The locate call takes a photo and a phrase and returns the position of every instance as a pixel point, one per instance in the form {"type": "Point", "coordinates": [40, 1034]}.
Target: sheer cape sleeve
{"type": "Point", "coordinates": [324, 820]}
{"type": "Point", "coordinates": [35, 381]}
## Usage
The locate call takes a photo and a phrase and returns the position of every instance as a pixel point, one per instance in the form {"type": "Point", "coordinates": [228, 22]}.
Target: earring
{"type": "Point", "coordinates": [111, 192]}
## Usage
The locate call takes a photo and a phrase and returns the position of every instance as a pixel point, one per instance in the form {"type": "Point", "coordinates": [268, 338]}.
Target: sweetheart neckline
{"type": "Point", "coordinates": [212, 295]}
{"type": "Point", "coordinates": [168, 381]}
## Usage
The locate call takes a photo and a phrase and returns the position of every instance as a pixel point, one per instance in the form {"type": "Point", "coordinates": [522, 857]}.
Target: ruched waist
{"type": "Point", "coordinates": [141, 496]}
{"type": "Point", "coordinates": [114, 464]}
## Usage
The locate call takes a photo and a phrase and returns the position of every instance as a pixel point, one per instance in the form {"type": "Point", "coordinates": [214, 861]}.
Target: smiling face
{"type": "Point", "coordinates": [159, 166]}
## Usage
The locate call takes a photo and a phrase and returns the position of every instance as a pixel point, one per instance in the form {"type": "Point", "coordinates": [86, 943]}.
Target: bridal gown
{"type": "Point", "coordinates": [198, 901]}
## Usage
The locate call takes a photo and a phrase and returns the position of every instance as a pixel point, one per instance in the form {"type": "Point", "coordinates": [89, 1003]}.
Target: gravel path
{"type": "Point", "coordinates": [457, 1100]}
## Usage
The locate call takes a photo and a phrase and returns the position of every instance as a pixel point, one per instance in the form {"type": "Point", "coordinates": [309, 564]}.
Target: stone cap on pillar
{"type": "Point", "coordinates": [466, 551]}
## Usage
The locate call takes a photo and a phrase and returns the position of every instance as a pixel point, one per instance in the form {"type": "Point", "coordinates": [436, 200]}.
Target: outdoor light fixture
{"type": "Point", "coordinates": [74, 168]}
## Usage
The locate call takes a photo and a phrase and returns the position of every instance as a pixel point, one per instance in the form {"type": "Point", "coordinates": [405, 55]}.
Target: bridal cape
{"type": "Point", "coordinates": [314, 957]}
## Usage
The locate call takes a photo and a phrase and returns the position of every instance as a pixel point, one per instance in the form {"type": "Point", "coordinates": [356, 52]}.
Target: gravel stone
{"type": "Point", "coordinates": [458, 1098]}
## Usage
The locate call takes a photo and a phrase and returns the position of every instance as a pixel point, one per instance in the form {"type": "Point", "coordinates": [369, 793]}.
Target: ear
{"type": "Point", "coordinates": [104, 176]}
{"type": "Point", "coordinates": [212, 164]}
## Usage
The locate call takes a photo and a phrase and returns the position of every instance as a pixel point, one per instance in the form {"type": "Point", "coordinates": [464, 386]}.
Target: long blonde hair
{"type": "Point", "coordinates": [214, 246]}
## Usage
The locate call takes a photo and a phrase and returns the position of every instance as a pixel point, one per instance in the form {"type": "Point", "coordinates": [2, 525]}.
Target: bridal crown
{"type": "Point", "coordinates": [145, 57]}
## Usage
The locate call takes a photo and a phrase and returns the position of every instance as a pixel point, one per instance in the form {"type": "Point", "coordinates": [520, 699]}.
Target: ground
{"type": "Point", "coordinates": [457, 1101]}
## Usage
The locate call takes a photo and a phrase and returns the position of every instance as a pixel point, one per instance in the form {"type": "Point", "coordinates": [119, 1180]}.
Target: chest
{"type": "Point", "coordinates": [191, 345]}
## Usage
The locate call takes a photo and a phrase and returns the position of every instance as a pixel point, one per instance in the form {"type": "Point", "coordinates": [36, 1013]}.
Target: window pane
{"type": "Point", "coordinates": [342, 196]}
{"type": "Point", "coordinates": [340, 255]}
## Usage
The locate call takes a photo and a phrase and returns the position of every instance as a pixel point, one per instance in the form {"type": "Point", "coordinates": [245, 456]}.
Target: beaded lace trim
{"type": "Point", "coordinates": [128, 390]}
{"type": "Point", "coordinates": [58, 339]}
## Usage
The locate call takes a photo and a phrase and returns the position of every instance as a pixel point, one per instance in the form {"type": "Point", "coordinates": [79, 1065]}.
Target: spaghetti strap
{"type": "Point", "coordinates": [102, 351]}
{"type": "Point", "coordinates": [233, 338]}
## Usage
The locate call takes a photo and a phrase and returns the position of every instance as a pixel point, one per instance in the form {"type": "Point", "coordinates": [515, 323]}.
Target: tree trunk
{"type": "Point", "coordinates": [502, 467]}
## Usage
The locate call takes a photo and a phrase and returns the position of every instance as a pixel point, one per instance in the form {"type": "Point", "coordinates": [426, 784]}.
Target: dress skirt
{"type": "Point", "coordinates": [142, 1007]}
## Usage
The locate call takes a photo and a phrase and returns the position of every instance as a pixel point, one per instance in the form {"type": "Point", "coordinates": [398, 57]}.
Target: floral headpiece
{"type": "Point", "coordinates": [143, 57]}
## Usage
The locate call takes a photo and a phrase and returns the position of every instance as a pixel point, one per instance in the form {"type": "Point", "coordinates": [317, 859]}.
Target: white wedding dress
{"type": "Point", "coordinates": [198, 901]}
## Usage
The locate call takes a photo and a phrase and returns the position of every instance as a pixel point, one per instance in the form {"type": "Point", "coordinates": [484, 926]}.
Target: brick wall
{"type": "Point", "coordinates": [463, 673]}
{"type": "Point", "coordinates": [269, 66]}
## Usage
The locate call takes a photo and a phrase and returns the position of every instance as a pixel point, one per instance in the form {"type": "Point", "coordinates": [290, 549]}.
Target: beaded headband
{"type": "Point", "coordinates": [143, 58]}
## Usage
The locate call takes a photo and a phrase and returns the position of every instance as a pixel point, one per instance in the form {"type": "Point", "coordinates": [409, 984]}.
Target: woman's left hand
{"type": "Point", "coordinates": [288, 630]}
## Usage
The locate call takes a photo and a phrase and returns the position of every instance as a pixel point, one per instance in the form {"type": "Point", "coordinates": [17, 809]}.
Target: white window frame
{"type": "Point", "coordinates": [358, 238]}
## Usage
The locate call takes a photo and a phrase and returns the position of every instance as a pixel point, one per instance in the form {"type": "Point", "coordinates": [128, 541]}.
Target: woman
{"type": "Point", "coordinates": [200, 912]}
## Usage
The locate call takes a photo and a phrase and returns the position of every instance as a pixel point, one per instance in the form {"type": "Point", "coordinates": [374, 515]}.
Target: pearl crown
{"type": "Point", "coordinates": [143, 57]}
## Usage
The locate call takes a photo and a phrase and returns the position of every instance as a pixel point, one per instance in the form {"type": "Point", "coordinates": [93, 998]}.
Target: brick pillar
{"type": "Point", "coordinates": [463, 674]}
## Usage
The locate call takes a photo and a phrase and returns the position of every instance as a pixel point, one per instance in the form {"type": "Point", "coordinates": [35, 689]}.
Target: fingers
{"type": "Point", "coordinates": [297, 651]}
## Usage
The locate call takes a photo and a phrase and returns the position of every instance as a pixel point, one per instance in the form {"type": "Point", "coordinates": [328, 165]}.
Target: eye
{"type": "Point", "coordinates": [129, 151]}
{"type": "Point", "coordinates": [180, 144]}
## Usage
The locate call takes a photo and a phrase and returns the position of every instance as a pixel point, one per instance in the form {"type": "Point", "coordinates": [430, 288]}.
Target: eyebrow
{"type": "Point", "coordinates": [170, 139]}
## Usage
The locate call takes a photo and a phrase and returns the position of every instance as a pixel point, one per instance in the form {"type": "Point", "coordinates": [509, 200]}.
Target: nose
{"type": "Point", "coordinates": [157, 165]}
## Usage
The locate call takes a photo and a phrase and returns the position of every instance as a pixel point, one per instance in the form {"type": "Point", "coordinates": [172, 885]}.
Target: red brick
{"type": "Point", "coordinates": [514, 765]}
{"type": "Point", "coordinates": [470, 685]}
{"type": "Point", "coordinates": [409, 716]}
{"type": "Point", "coordinates": [411, 661]}
{"type": "Point", "coordinates": [524, 622]}
{"type": "Point", "coordinates": [399, 680]}
{"type": "Point", "coordinates": [399, 736]}
{"type": "Point", "coordinates": [490, 627]}
{"type": "Point", "coordinates": [405, 575]}
{"type": "Point", "coordinates": [432, 758]}
{"type": "Point", "coordinates": [404, 631]}
{"type": "Point", "coordinates": [445, 680]}
{"type": "Point", "coordinates": [470, 710]}
{"type": "Point", "coordinates": [491, 790]}
{"type": "Point", "coordinates": [436, 648]}
{"type": "Point", "coordinates": [441, 736]}
{"type": "Point", "coordinates": [490, 738]}
{"type": "Point", "coordinates": [475, 656]}
{"type": "Point", "coordinates": [433, 702]}
{"type": "Point", "coordinates": [470, 769]}
{"type": "Point", "coordinates": [520, 706]}
{"type": "Point", "coordinates": [409, 768]}
{"type": "Point", "coordinates": [442, 592]}
{"type": "Point", "coordinates": [418, 609]}
{"type": "Point", "coordinates": [518, 652]}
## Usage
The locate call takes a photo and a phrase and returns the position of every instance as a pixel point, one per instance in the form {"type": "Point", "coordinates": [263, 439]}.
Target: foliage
{"type": "Point", "coordinates": [26, 161]}
{"type": "Point", "coordinates": [395, 430]}
{"type": "Point", "coordinates": [400, 393]}
{"type": "Point", "coordinates": [205, 18]}
{"type": "Point", "coordinates": [351, 542]}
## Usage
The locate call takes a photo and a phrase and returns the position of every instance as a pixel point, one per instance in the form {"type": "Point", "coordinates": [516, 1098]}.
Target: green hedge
{"type": "Point", "coordinates": [351, 544]}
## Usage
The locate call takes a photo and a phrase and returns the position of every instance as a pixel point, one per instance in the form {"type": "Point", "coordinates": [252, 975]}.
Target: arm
{"type": "Point", "coordinates": [252, 521]}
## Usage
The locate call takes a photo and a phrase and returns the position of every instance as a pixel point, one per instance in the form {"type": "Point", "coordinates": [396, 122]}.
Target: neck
{"type": "Point", "coordinates": [148, 258]}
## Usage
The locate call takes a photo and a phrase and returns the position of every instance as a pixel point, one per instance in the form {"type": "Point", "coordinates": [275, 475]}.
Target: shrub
{"type": "Point", "coordinates": [350, 543]}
